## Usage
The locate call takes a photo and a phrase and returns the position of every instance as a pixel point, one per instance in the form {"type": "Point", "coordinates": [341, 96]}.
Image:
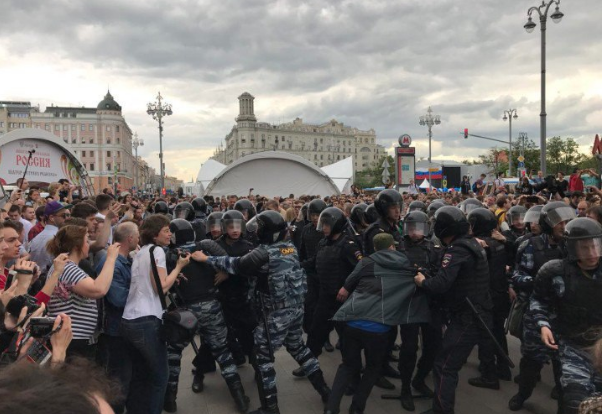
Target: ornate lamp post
{"type": "Point", "coordinates": [158, 110]}
{"type": "Point", "coordinates": [429, 120]}
{"type": "Point", "coordinates": [529, 27]}
{"type": "Point", "coordinates": [508, 115]}
{"type": "Point", "coordinates": [137, 142]}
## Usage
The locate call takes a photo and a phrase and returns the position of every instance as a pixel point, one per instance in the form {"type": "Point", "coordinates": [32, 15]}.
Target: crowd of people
{"type": "Point", "coordinates": [101, 295]}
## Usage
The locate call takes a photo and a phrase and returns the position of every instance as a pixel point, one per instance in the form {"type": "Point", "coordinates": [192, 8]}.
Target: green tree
{"type": "Point", "coordinates": [372, 176]}
{"type": "Point", "coordinates": [563, 155]}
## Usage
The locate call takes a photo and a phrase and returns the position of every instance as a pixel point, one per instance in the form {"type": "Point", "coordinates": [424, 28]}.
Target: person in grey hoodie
{"type": "Point", "coordinates": [382, 295]}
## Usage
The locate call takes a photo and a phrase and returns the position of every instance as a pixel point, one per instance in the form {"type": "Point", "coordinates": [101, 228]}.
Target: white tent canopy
{"type": "Point", "coordinates": [425, 184]}
{"type": "Point", "coordinates": [271, 173]}
{"type": "Point", "coordinates": [209, 170]}
{"type": "Point", "coordinates": [342, 174]}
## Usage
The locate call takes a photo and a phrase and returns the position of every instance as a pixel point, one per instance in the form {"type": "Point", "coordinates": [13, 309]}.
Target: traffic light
{"type": "Point", "coordinates": [465, 133]}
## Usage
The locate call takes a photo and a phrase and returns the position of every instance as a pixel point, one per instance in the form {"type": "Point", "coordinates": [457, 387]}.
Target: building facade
{"type": "Point", "coordinates": [321, 144]}
{"type": "Point", "coordinates": [100, 137]}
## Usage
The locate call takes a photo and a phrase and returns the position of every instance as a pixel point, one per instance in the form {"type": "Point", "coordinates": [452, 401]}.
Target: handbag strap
{"type": "Point", "coordinates": [157, 279]}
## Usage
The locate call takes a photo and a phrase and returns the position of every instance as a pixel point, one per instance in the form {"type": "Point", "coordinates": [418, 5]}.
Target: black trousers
{"type": "Point", "coordinates": [374, 346]}
{"type": "Point", "coordinates": [431, 342]}
{"type": "Point", "coordinates": [311, 300]}
{"type": "Point", "coordinates": [463, 333]}
{"type": "Point", "coordinates": [241, 321]}
{"type": "Point", "coordinates": [321, 326]}
{"type": "Point", "coordinates": [501, 309]}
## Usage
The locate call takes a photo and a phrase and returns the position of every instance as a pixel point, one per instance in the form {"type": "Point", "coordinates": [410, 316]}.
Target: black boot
{"type": "Point", "coordinates": [269, 405]}
{"type": "Point", "coordinates": [419, 385]}
{"type": "Point", "coordinates": [169, 403]}
{"type": "Point", "coordinates": [391, 372]}
{"type": "Point", "coordinates": [484, 382]}
{"type": "Point", "coordinates": [384, 383]}
{"type": "Point", "coordinates": [317, 381]}
{"type": "Point", "coordinates": [299, 372]}
{"type": "Point", "coordinates": [328, 346]}
{"type": "Point", "coordinates": [197, 383]}
{"type": "Point", "coordinates": [238, 394]}
{"type": "Point", "coordinates": [517, 401]}
{"type": "Point", "coordinates": [407, 402]}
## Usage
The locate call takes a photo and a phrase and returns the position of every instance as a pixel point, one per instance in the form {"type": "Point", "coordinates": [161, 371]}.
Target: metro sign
{"type": "Point", "coordinates": [597, 149]}
{"type": "Point", "coordinates": [405, 140]}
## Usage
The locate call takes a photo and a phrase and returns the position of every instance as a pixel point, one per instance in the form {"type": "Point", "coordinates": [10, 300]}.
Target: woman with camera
{"type": "Point", "coordinates": [76, 292]}
{"type": "Point", "coordinates": [142, 318]}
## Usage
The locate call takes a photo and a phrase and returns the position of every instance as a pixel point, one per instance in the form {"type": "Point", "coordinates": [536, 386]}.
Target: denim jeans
{"type": "Point", "coordinates": [148, 354]}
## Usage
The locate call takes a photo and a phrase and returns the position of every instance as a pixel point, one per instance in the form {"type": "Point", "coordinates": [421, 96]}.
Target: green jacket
{"type": "Point", "coordinates": [383, 290]}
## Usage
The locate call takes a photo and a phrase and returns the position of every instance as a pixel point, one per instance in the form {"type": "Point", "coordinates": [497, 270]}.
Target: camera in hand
{"type": "Point", "coordinates": [17, 303]}
{"type": "Point", "coordinates": [41, 326]}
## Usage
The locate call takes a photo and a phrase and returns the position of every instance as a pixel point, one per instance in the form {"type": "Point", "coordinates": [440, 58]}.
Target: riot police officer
{"type": "Point", "coordinates": [214, 225]}
{"type": "Point", "coordinates": [389, 205]}
{"type": "Point", "coordinates": [336, 257]}
{"type": "Point", "coordinates": [371, 214]}
{"type": "Point", "coordinates": [248, 211]}
{"type": "Point", "coordinates": [234, 291]}
{"type": "Point", "coordinates": [463, 276]}
{"type": "Point", "coordinates": [310, 237]}
{"type": "Point", "coordinates": [531, 255]}
{"type": "Point", "coordinates": [569, 291]}
{"type": "Point", "coordinates": [200, 218]}
{"type": "Point", "coordinates": [280, 294]}
{"type": "Point", "coordinates": [358, 217]}
{"type": "Point", "coordinates": [470, 204]}
{"type": "Point", "coordinates": [417, 206]}
{"type": "Point", "coordinates": [483, 223]}
{"type": "Point", "coordinates": [161, 207]}
{"type": "Point", "coordinates": [198, 292]}
{"type": "Point", "coordinates": [515, 218]}
{"type": "Point", "coordinates": [424, 254]}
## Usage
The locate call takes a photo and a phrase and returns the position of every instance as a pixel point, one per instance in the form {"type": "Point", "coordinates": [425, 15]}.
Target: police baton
{"type": "Point", "coordinates": [498, 347]}
{"type": "Point", "coordinates": [266, 327]}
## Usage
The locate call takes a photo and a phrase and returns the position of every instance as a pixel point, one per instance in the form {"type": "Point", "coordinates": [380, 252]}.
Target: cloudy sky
{"type": "Point", "coordinates": [370, 64]}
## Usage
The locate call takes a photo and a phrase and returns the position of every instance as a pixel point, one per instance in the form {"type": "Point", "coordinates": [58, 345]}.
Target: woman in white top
{"type": "Point", "coordinates": [142, 319]}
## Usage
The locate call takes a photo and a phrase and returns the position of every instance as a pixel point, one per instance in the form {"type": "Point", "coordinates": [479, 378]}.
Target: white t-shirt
{"type": "Point", "coordinates": [142, 299]}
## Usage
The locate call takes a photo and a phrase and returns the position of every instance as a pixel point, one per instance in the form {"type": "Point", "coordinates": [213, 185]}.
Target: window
{"type": "Point", "coordinates": [283, 138]}
{"type": "Point", "coordinates": [57, 127]}
{"type": "Point", "coordinates": [83, 127]}
{"type": "Point", "coordinates": [73, 140]}
{"type": "Point", "coordinates": [118, 167]}
{"type": "Point", "coordinates": [91, 167]}
{"type": "Point", "coordinates": [73, 127]}
{"type": "Point", "coordinates": [322, 156]}
{"type": "Point", "coordinates": [118, 140]}
{"type": "Point", "coordinates": [83, 153]}
{"type": "Point", "coordinates": [83, 140]}
{"type": "Point", "coordinates": [108, 166]}
{"type": "Point", "coordinates": [108, 153]}
{"type": "Point", "coordinates": [91, 140]}
{"type": "Point", "coordinates": [91, 153]}
{"type": "Point", "coordinates": [118, 154]}
{"type": "Point", "coordinates": [90, 127]}
{"type": "Point", "coordinates": [108, 128]}
{"type": "Point", "coordinates": [108, 140]}
{"type": "Point", "coordinates": [117, 128]}
{"type": "Point", "coordinates": [65, 127]}
{"type": "Point", "coordinates": [110, 180]}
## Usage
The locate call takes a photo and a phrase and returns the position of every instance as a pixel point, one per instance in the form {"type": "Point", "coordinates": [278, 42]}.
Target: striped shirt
{"type": "Point", "coordinates": [83, 311]}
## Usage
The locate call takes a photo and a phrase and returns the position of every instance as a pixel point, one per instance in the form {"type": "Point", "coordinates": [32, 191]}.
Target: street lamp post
{"type": "Point", "coordinates": [508, 115]}
{"type": "Point", "coordinates": [158, 110]}
{"type": "Point", "coordinates": [429, 120]}
{"type": "Point", "coordinates": [137, 142]}
{"type": "Point", "coordinates": [529, 27]}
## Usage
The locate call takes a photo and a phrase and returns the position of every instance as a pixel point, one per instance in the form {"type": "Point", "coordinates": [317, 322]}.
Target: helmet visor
{"type": "Point", "coordinates": [559, 215]}
{"type": "Point", "coordinates": [467, 208]}
{"type": "Point", "coordinates": [232, 225]}
{"type": "Point", "coordinates": [253, 225]}
{"type": "Point", "coordinates": [532, 217]}
{"type": "Point", "coordinates": [415, 229]}
{"type": "Point", "coordinates": [586, 250]}
{"type": "Point", "coordinates": [182, 213]}
{"type": "Point", "coordinates": [516, 218]}
{"type": "Point", "coordinates": [215, 225]}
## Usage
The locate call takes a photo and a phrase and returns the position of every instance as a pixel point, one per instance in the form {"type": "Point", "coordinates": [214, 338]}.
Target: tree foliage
{"type": "Point", "coordinates": [372, 176]}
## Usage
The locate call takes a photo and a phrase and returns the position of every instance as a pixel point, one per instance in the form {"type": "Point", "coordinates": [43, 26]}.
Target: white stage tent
{"type": "Point", "coordinates": [209, 170]}
{"type": "Point", "coordinates": [269, 173]}
{"type": "Point", "coordinates": [341, 173]}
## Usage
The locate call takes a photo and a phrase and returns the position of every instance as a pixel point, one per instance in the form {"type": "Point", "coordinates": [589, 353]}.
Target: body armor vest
{"type": "Point", "coordinates": [286, 279]}
{"type": "Point", "coordinates": [497, 257]}
{"type": "Point", "coordinates": [331, 273]}
{"type": "Point", "coordinates": [543, 254]}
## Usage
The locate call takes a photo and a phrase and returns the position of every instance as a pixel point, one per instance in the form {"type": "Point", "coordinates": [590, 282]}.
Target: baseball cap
{"type": "Point", "coordinates": [383, 241]}
{"type": "Point", "coordinates": [54, 207]}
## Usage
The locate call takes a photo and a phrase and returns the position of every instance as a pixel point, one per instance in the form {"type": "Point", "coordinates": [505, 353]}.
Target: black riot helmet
{"type": "Point", "coordinates": [516, 216]}
{"type": "Point", "coordinates": [470, 204]}
{"type": "Point", "coordinates": [433, 207]}
{"type": "Point", "coordinates": [200, 207]}
{"type": "Point", "coordinates": [532, 217]}
{"type": "Point", "coordinates": [416, 225]}
{"type": "Point", "coordinates": [181, 232]}
{"type": "Point", "coordinates": [214, 221]}
{"type": "Point", "coordinates": [584, 240]}
{"type": "Point", "coordinates": [358, 214]}
{"type": "Point", "coordinates": [316, 206]}
{"type": "Point", "coordinates": [184, 210]}
{"type": "Point", "coordinates": [417, 206]}
{"type": "Point", "coordinates": [233, 220]}
{"type": "Point", "coordinates": [554, 213]}
{"type": "Point", "coordinates": [371, 214]}
{"type": "Point", "coordinates": [386, 199]}
{"type": "Point", "coordinates": [246, 208]}
{"type": "Point", "coordinates": [304, 211]}
{"type": "Point", "coordinates": [334, 218]}
{"type": "Point", "coordinates": [269, 226]}
{"type": "Point", "coordinates": [482, 221]}
{"type": "Point", "coordinates": [161, 208]}
{"type": "Point", "coordinates": [450, 221]}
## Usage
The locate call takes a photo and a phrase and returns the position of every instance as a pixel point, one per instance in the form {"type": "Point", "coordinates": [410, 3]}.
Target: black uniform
{"type": "Point", "coordinates": [379, 226]}
{"type": "Point", "coordinates": [464, 273]}
{"type": "Point", "coordinates": [426, 255]}
{"type": "Point", "coordinates": [234, 297]}
{"type": "Point", "coordinates": [333, 262]}
{"type": "Point", "coordinates": [310, 237]}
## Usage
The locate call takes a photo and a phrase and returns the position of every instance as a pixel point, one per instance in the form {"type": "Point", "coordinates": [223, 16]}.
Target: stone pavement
{"type": "Point", "coordinates": [296, 396]}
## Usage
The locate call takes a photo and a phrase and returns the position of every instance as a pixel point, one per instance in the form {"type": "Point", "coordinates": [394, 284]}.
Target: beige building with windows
{"type": "Point", "coordinates": [321, 144]}
{"type": "Point", "coordinates": [100, 137]}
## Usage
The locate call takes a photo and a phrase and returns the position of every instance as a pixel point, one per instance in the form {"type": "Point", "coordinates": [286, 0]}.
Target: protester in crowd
{"type": "Point", "coordinates": [465, 186]}
{"type": "Point", "coordinates": [499, 186]}
{"type": "Point", "coordinates": [575, 181]}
